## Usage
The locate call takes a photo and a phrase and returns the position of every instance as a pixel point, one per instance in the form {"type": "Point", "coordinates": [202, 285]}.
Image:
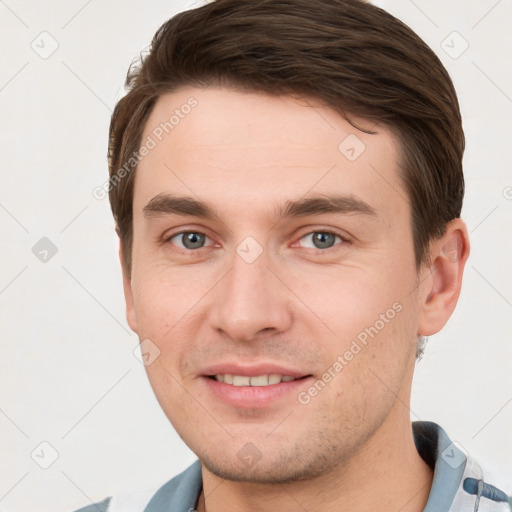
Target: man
{"type": "Point", "coordinates": [286, 179]}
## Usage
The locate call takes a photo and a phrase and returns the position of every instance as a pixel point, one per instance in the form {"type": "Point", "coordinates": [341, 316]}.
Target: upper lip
{"type": "Point", "coordinates": [252, 370]}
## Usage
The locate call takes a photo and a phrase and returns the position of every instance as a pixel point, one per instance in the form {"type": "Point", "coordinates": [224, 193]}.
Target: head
{"type": "Point", "coordinates": [312, 155]}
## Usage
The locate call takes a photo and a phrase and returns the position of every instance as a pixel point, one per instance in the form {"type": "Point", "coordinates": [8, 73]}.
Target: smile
{"type": "Point", "coordinates": [259, 380]}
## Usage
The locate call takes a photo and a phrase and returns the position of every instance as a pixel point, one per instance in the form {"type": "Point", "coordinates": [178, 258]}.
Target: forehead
{"type": "Point", "coordinates": [211, 142]}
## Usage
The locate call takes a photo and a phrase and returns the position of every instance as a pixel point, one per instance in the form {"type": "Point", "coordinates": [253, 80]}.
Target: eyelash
{"type": "Point", "coordinates": [343, 240]}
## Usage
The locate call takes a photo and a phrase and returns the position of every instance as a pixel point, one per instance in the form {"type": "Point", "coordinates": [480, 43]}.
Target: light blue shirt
{"type": "Point", "coordinates": [458, 484]}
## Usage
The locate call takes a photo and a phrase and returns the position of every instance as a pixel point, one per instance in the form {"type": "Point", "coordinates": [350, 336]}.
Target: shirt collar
{"type": "Point", "coordinates": [458, 482]}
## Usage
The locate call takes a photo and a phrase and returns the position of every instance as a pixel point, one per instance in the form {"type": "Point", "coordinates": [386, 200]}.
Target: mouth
{"type": "Point", "coordinates": [255, 381]}
{"type": "Point", "coordinates": [257, 391]}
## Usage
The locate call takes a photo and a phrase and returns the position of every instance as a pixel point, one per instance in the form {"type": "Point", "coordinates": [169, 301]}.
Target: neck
{"type": "Point", "coordinates": [386, 473]}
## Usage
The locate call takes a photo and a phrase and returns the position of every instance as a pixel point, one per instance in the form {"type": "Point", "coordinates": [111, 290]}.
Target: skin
{"type": "Point", "coordinates": [296, 304]}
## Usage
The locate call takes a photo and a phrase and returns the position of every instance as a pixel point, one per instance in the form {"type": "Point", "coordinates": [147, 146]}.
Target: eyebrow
{"type": "Point", "coordinates": [325, 204]}
{"type": "Point", "coordinates": [167, 204]}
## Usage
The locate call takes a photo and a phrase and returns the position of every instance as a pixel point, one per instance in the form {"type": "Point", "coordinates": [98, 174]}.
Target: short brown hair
{"type": "Point", "coordinates": [351, 55]}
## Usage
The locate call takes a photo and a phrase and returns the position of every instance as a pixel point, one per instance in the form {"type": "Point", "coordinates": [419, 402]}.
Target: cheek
{"type": "Point", "coordinates": [364, 321]}
{"type": "Point", "coordinates": [166, 298]}
{"type": "Point", "coordinates": [163, 310]}
{"type": "Point", "coordinates": [347, 300]}
{"type": "Point", "coordinates": [152, 307]}
{"type": "Point", "coordinates": [367, 363]}
{"type": "Point", "coordinates": [170, 308]}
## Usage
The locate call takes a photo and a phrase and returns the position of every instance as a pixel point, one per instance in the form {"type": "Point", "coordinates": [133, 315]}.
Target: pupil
{"type": "Point", "coordinates": [193, 240]}
{"type": "Point", "coordinates": [323, 240]}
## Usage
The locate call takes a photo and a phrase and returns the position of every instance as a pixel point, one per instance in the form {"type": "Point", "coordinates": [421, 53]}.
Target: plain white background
{"type": "Point", "coordinates": [68, 374]}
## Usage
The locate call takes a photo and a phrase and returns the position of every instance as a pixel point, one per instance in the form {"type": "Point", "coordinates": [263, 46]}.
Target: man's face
{"type": "Point", "coordinates": [269, 284]}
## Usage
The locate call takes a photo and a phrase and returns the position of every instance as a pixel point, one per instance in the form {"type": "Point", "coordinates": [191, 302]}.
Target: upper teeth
{"type": "Point", "coordinates": [260, 380]}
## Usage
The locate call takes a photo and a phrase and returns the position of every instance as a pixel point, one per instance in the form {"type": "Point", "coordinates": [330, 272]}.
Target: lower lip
{"type": "Point", "coordinates": [255, 396]}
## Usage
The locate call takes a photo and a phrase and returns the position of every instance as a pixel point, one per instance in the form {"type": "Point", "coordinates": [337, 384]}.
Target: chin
{"type": "Point", "coordinates": [252, 466]}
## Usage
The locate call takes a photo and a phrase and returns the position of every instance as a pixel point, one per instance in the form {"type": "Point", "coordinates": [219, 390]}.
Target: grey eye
{"type": "Point", "coordinates": [321, 239]}
{"type": "Point", "coordinates": [189, 240]}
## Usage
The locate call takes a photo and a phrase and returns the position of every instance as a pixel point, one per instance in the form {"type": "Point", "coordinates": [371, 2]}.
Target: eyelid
{"type": "Point", "coordinates": [166, 238]}
{"type": "Point", "coordinates": [345, 239]}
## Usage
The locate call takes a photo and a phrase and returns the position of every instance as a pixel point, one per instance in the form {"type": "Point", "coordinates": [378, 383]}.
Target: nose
{"type": "Point", "coordinates": [251, 300]}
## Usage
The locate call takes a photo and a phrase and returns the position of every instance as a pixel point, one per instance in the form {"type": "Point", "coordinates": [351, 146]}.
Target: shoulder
{"type": "Point", "coordinates": [180, 493]}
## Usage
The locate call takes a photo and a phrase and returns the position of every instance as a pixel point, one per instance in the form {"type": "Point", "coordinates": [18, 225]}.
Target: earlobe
{"type": "Point", "coordinates": [440, 288]}
{"type": "Point", "coordinates": [128, 292]}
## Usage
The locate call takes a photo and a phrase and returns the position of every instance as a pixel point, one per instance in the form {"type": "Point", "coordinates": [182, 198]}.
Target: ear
{"type": "Point", "coordinates": [128, 292]}
{"type": "Point", "coordinates": [441, 281]}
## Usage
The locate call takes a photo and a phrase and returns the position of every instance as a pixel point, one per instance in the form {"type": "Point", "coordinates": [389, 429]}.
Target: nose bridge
{"type": "Point", "coordinates": [249, 298]}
